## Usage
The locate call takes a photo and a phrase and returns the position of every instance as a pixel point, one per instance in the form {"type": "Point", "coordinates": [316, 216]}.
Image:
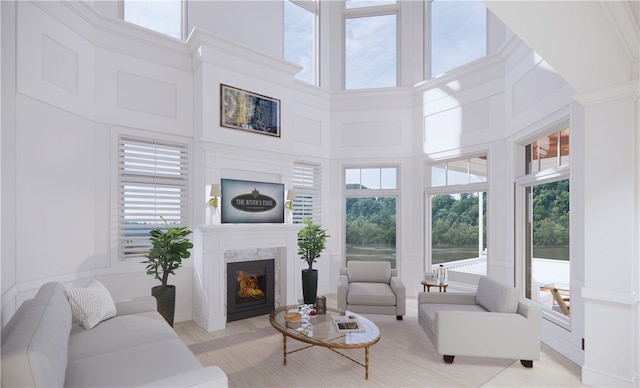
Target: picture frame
{"type": "Point", "coordinates": [248, 111]}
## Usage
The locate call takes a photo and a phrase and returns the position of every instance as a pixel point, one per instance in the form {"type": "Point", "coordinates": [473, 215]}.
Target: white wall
{"type": "Point", "coordinates": [84, 78]}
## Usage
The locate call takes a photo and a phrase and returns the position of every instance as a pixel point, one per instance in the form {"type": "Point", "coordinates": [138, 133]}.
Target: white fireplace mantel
{"type": "Point", "coordinates": [210, 244]}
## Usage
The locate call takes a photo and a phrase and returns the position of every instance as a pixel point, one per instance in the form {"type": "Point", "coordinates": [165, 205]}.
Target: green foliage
{"type": "Point", "coordinates": [371, 220]}
{"type": "Point", "coordinates": [169, 248]}
{"type": "Point", "coordinates": [551, 214]}
{"type": "Point", "coordinates": [455, 221]}
{"type": "Point", "coordinates": [311, 242]}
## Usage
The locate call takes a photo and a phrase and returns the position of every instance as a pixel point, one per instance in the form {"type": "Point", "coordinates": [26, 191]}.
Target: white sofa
{"type": "Point", "coordinates": [371, 287]}
{"type": "Point", "coordinates": [42, 347]}
{"type": "Point", "coordinates": [493, 322]}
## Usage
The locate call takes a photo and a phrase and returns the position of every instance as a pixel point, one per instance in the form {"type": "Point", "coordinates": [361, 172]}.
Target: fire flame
{"type": "Point", "coordinates": [249, 286]}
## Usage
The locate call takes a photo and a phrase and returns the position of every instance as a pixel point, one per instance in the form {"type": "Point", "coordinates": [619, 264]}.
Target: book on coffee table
{"type": "Point", "coordinates": [348, 324]}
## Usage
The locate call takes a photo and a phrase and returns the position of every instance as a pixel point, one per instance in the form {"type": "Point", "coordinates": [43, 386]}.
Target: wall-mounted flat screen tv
{"type": "Point", "coordinates": [249, 202]}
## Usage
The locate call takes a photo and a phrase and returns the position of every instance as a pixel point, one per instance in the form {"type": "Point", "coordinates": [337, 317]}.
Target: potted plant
{"type": "Point", "coordinates": [312, 241]}
{"type": "Point", "coordinates": [169, 247]}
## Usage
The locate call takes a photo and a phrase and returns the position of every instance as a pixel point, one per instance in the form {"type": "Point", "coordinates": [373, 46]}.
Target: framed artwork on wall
{"type": "Point", "coordinates": [240, 109]}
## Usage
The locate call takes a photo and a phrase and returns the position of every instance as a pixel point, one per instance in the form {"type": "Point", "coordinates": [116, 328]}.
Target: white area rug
{"type": "Point", "coordinates": [404, 357]}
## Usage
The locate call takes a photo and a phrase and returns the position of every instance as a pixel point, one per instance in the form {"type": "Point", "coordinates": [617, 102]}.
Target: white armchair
{"type": "Point", "coordinates": [371, 287]}
{"type": "Point", "coordinates": [493, 322]}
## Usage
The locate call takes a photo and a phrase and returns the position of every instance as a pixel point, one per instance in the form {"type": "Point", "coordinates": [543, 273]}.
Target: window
{"type": "Point", "coordinates": [459, 172]}
{"type": "Point", "coordinates": [300, 19]}
{"type": "Point", "coordinates": [370, 214]}
{"type": "Point", "coordinates": [307, 183]}
{"type": "Point", "coordinates": [366, 3]}
{"type": "Point", "coordinates": [371, 45]}
{"type": "Point", "coordinates": [548, 152]}
{"type": "Point", "coordinates": [160, 16]}
{"type": "Point", "coordinates": [545, 187]}
{"type": "Point", "coordinates": [153, 182]}
{"type": "Point", "coordinates": [457, 212]}
{"type": "Point", "coordinates": [458, 34]}
{"type": "Point", "coordinates": [371, 178]}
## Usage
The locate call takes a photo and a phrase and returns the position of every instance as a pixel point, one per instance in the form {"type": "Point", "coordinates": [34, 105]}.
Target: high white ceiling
{"type": "Point", "coordinates": [592, 44]}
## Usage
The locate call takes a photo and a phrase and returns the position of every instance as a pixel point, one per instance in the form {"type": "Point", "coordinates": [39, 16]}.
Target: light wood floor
{"type": "Point", "coordinates": [552, 370]}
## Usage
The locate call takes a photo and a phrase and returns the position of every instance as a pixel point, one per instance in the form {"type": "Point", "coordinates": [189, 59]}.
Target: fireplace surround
{"type": "Point", "coordinates": [217, 245]}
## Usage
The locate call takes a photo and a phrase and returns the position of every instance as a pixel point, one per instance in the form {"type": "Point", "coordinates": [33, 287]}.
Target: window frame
{"type": "Point", "coordinates": [367, 193]}
{"type": "Point", "coordinates": [371, 11]}
{"type": "Point", "coordinates": [180, 181]}
{"type": "Point", "coordinates": [521, 183]}
{"type": "Point", "coordinates": [431, 191]}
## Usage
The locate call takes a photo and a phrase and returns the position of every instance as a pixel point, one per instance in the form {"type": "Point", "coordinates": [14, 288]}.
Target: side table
{"type": "Point", "coordinates": [427, 284]}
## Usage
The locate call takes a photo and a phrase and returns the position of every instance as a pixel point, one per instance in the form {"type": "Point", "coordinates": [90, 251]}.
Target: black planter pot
{"type": "Point", "coordinates": [166, 298]}
{"type": "Point", "coordinates": [309, 285]}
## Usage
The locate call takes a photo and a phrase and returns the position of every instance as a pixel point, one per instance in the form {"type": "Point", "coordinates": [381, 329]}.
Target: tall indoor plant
{"type": "Point", "coordinates": [169, 248]}
{"type": "Point", "coordinates": [312, 240]}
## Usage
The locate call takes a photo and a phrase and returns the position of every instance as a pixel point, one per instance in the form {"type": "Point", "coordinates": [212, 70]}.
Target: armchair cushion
{"type": "Point", "coordinates": [495, 297]}
{"type": "Point", "coordinates": [429, 314]}
{"type": "Point", "coordinates": [369, 272]}
{"type": "Point", "coordinates": [371, 294]}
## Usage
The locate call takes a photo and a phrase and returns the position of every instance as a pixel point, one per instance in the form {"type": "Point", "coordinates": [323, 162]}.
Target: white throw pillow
{"type": "Point", "coordinates": [91, 305]}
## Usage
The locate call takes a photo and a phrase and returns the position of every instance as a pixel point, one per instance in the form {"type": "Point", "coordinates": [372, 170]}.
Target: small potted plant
{"type": "Point", "coordinates": [169, 248]}
{"type": "Point", "coordinates": [312, 240]}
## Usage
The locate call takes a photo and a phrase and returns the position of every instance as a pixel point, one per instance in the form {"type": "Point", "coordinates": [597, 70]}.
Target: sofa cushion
{"type": "Point", "coordinates": [118, 333]}
{"type": "Point", "coordinates": [132, 366]}
{"type": "Point", "coordinates": [496, 297]}
{"type": "Point", "coordinates": [35, 354]}
{"type": "Point", "coordinates": [369, 271]}
{"type": "Point", "coordinates": [91, 305]}
{"type": "Point", "coordinates": [371, 294]}
{"type": "Point", "coordinates": [427, 311]}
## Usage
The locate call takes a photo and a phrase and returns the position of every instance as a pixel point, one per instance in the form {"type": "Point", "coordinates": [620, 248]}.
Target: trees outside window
{"type": "Point", "coordinates": [456, 212]}
{"type": "Point", "coordinates": [546, 212]}
{"type": "Point", "coordinates": [370, 214]}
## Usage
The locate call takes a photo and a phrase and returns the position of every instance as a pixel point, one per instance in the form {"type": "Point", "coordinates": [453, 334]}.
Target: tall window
{"type": "Point", "coordinates": [545, 186]}
{"type": "Point", "coordinates": [371, 44]}
{"type": "Point", "coordinates": [161, 16]}
{"type": "Point", "coordinates": [300, 37]}
{"type": "Point", "coordinates": [153, 184]}
{"type": "Point", "coordinates": [458, 33]}
{"type": "Point", "coordinates": [457, 203]}
{"type": "Point", "coordinates": [307, 183]}
{"type": "Point", "coordinates": [370, 214]}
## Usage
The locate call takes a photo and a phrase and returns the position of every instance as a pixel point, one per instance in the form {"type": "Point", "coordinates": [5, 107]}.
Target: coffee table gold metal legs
{"type": "Point", "coordinates": [366, 362]}
{"type": "Point", "coordinates": [284, 349]}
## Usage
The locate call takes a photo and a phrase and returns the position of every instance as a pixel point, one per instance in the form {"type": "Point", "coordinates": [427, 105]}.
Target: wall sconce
{"type": "Point", "coordinates": [291, 195]}
{"type": "Point", "coordinates": [215, 193]}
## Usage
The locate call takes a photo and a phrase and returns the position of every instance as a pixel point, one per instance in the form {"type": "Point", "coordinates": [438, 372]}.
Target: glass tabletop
{"type": "Point", "coordinates": [321, 329]}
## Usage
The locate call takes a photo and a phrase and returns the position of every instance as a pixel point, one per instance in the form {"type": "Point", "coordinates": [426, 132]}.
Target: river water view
{"type": "Point", "coordinates": [440, 255]}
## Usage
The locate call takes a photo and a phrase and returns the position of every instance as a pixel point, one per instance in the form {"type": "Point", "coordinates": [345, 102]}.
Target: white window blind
{"type": "Point", "coordinates": [153, 183]}
{"type": "Point", "coordinates": [307, 184]}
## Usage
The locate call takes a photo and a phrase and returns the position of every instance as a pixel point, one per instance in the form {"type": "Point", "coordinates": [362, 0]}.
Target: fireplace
{"type": "Point", "coordinates": [250, 288]}
{"type": "Point", "coordinates": [215, 246]}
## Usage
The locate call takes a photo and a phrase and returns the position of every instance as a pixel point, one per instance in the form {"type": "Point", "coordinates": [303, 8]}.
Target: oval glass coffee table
{"type": "Point", "coordinates": [322, 331]}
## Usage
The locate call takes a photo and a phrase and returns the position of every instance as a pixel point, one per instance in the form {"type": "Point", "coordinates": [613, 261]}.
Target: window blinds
{"type": "Point", "coordinates": [307, 183]}
{"type": "Point", "coordinates": [153, 183]}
